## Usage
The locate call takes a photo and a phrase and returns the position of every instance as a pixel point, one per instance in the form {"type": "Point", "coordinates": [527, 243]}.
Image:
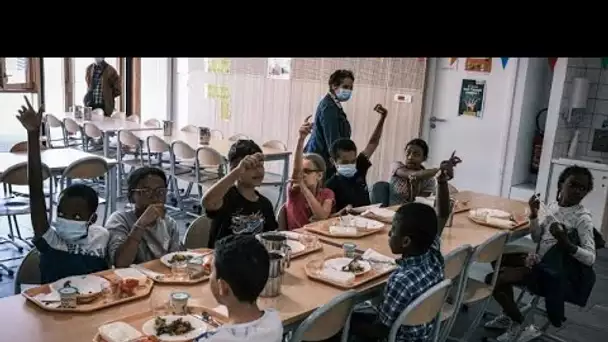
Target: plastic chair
{"type": "Point", "coordinates": [197, 235]}
{"type": "Point", "coordinates": [29, 271]}
{"type": "Point", "coordinates": [282, 218]}
{"type": "Point", "coordinates": [239, 136]}
{"type": "Point", "coordinates": [327, 320]}
{"type": "Point", "coordinates": [423, 310]}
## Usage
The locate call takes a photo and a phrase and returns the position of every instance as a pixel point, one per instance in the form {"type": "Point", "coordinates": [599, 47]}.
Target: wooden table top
{"type": "Point", "coordinates": [463, 231]}
{"type": "Point", "coordinates": [56, 159]}
{"type": "Point", "coordinates": [107, 124]}
{"type": "Point", "coordinates": [192, 139]}
{"type": "Point", "coordinates": [23, 321]}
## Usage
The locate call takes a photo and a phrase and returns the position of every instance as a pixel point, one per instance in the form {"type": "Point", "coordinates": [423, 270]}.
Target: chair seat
{"type": "Point", "coordinates": [476, 291]}
{"type": "Point", "coordinates": [447, 311]}
{"type": "Point", "coordinates": [24, 191]}
{"type": "Point", "coordinates": [204, 178]}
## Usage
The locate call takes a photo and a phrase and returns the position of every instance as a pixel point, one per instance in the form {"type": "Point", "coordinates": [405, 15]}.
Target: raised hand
{"type": "Point", "coordinates": [305, 130]}
{"type": "Point", "coordinates": [30, 118]}
{"type": "Point", "coordinates": [251, 162]}
{"type": "Point", "coordinates": [380, 110]}
{"type": "Point", "coordinates": [446, 168]}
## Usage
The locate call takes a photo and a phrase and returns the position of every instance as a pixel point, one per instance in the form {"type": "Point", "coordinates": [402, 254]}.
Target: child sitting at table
{"type": "Point", "coordinates": [306, 197]}
{"type": "Point", "coordinates": [240, 271]}
{"type": "Point", "coordinates": [567, 227]}
{"type": "Point", "coordinates": [74, 245]}
{"type": "Point", "coordinates": [416, 235]}
{"type": "Point", "coordinates": [233, 203]}
{"type": "Point", "coordinates": [349, 184]}
{"type": "Point", "coordinates": [144, 233]}
{"type": "Point", "coordinates": [411, 179]}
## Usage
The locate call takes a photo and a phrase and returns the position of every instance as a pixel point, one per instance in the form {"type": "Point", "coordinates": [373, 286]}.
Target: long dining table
{"type": "Point", "coordinates": [21, 320]}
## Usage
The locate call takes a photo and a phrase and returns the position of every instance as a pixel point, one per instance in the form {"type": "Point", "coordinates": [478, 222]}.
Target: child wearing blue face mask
{"type": "Point", "coordinates": [349, 184]}
{"type": "Point", "coordinates": [72, 244]}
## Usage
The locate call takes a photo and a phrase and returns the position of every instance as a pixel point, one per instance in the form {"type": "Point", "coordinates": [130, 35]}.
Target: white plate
{"type": "Point", "coordinates": [199, 328]}
{"type": "Point", "coordinates": [86, 284]}
{"type": "Point", "coordinates": [360, 210]}
{"type": "Point", "coordinates": [362, 222]}
{"type": "Point", "coordinates": [483, 212]}
{"type": "Point", "coordinates": [295, 246]}
{"type": "Point", "coordinates": [165, 258]}
{"type": "Point", "coordinates": [338, 263]}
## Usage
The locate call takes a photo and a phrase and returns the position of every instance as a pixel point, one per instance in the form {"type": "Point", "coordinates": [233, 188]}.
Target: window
{"type": "Point", "coordinates": [80, 85]}
{"type": "Point", "coordinates": [54, 85]}
{"type": "Point", "coordinates": [181, 96]}
{"type": "Point", "coordinates": [154, 84]}
{"type": "Point", "coordinates": [11, 130]}
{"type": "Point", "coordinates": [19, 74]}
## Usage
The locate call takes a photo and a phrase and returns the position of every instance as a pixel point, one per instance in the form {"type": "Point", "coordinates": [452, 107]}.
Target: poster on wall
{"type": "Point", "coordinates": [222, 95]}
{"type": "Point", "coordinates": [478, 64]}
{"type": "Point", "coordinates": [450, 63]}
{"type": "Point", "coordinates": [471, 98]}
{"type": "Point", "coordinates": [279, 68]}
{"type": "Point", "coordinates": [217, 65]}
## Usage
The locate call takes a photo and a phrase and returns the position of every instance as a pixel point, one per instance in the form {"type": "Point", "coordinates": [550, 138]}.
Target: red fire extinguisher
{"type": "Point", "coordinates": [537, 143]}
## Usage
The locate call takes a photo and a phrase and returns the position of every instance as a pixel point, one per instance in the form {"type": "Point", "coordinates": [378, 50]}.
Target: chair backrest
{"type": "Point", "coordinates": [491, 251]}
{"type": "Point", "coordinates": [197, 235]}
{"type": "Point", "coordinates": [456, 261]}
{"type": "Point", "coordinates": [282, 218]}
{"type": "Point", "coordinates": [452, 189]}
{"type": "Point", "coordinates": [152, 122]}
{"type": "Point", "coordinates": [423, 310]}
{"type": "Point", "coordinates": [119, 115]}
{"type": "Point", "coordinates": [71, 126]}
{"type": "Point", "coordinates": [92, 131]}
{"type": "Point", "coordinates": [21, 147]}
{"type": "Point", "coordinates": [217, 134]}
{"type": "Point", "coordinates": [181, 150]}
{"type": "Point", "coordinates": [29, 271]}
{"type": "Point", "coordinates": [208, 157]}
{"type": "Point", "coordinates": [52, 121]}
{"type": "Point", "coordinates": [127, 138]}
{"type": "Point", "coordinates": [327, 320]}
{"type": "Point", "coordinates": [156, 144]}
{"type": "Point", "coordinates": [17, 174]}
{"type": "Point", "coordinates": [189, 129]}
{"type": "Point", "coordinates": [98, 112]}
{"type": "Point", "coordinates": [239, 136]}
{"type": "Point", "coordinates": [276, 144]}
{"type": "Point", "coordinates": [86, 168]}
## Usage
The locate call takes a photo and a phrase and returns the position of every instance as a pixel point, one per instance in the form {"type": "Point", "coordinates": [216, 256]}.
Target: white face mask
{"type": "Point", "coordinates": [71, 230]}
{"type": "Point", "coordinates": [98, 60]}
{"type": "Point", "coordinates": [347, 170]}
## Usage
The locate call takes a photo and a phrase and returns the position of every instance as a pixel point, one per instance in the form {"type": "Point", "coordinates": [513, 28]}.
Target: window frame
{"type": "Point", "coordinates": [32, 84]}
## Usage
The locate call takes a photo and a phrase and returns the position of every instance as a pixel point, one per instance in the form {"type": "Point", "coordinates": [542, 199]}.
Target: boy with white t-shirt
{"type": "Point", "coordinates": [239, 275]}
{"type": "Point", "coordinates": [71, 244]}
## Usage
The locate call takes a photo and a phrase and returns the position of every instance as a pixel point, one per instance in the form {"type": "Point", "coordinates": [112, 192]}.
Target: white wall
{"type": "Point", "coordinates": [154, 88]}
{"type": "Point", "coordinates": [531, 95]}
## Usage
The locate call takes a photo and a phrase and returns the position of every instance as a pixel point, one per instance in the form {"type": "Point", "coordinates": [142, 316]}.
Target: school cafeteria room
{"type": "Point", "coordinates": [303, 199]}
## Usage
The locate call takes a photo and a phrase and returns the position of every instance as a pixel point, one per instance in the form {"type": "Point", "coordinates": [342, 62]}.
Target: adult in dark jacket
{"type": "Point", "coordinates": [103, 86]}
{"type": "Point", "coordinates": [330, 122]}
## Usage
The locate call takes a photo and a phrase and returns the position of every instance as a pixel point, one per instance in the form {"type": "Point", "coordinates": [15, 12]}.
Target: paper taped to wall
{"type": "Point", "coordinates": [225, 109]}
{"type": "Point", "coordinates": [218, 65]}
{"type": "Point", "coordinates": [222, 94]}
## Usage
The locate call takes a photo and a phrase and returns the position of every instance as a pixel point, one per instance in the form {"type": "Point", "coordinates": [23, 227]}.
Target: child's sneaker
{"type": "Point", "coordinates": [528, 334]}
{"type": "Point", "coordinates": [500, 322]}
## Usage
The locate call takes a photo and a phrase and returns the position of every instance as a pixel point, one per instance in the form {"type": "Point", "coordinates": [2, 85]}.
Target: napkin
{"type": "Point", "coordinates": [336, 276]}
{"type": "Point", "coordinates": [381, 213]}
{"type": "Point", "coordinates": [386, 261]}
{"type": "Point", "coordinates": [124, 273]}
{"type": "Point", "coordinates": [221, 309]}
{"type": "Point", "coordinates": [150, 274]}
{"type": "Point", "coordinates": [51, 299]}
{"type": "Point", "coordinates": [292, 235]}
{"type": "Point", "coordinates": [430, 201]}
{"type": "Point", "coordinates": [339, 230]}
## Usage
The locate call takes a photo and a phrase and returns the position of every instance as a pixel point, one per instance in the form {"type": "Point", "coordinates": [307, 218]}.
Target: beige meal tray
{"type": "Point", "coordinates": [484, 223]}
{"type": "Point", "coordinates": [318, 246]}
{"type": "Point", "coordinates": [322, 228]}
{"type": "Point", "coordinates": [158, 267]}
{"type": "Point", "coordinates": [93, 303]}
{"type": "Point", "coordinates": [313, 266]}
{"type": "Point", "coordinates": [138, 320]}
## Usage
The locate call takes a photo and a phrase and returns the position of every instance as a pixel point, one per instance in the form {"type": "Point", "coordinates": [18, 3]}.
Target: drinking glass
{"type": "Point", "coordinates": [179, 270]}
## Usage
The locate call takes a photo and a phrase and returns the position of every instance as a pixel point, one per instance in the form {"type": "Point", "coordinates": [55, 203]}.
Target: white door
{"type": "Point", "coordinates": [480, 142]}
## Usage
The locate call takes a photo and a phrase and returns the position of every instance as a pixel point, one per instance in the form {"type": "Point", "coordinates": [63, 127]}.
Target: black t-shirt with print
{"type": "Point", "coordinates": [239, 215]}
{"type": "Point", "coordinates": [351, 190]}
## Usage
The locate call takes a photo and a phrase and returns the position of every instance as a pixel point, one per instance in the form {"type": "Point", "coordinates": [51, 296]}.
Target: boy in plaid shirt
{"type": "Point", "coordinates": [415, 234]}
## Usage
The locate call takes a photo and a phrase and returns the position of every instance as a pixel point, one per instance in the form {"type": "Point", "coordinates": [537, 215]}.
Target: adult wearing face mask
{"type": "Point", "coordinates": [104, 85]}
{"type": "Point", "coordinates": [331, 123]}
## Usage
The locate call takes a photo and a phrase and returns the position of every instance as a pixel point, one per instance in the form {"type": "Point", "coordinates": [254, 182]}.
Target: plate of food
{"type": "Point", "coordinates": [296, 247]}
{"type": "Point", "coordinates": [348, 265]}
{"type": "Point", "coordinates": [89, 287]}
{"type": "Point", "coordinates": [485, 212]}
{"type": "Point", "coordinates": [172, 328]}
{"type": "Point", "coordinates": [169, 259]}
{"type": "Point", "coordinates": [494, 218]}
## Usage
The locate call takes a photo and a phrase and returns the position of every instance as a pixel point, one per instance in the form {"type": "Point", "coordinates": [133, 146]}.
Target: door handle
{"type": "Point", "coordinates": [436, 119]}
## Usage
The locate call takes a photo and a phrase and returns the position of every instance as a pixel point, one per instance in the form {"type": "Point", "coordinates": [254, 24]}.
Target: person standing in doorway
{"type": "Point", "coordinates": [330, 122]}
{"type": "Point", "coordinates": [104, 85]}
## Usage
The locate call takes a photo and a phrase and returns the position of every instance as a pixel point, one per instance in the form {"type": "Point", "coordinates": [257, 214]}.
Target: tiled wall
{"type": "Point", "coordinates": [596, 112]}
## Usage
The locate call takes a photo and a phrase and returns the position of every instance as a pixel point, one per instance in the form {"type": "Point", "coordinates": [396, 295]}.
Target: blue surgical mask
{"type": "Point", "coordinates": [347, 170]}
{"type": "Point", "coordinates": [343, 94]}
{"type": "Point", "coordinates": [70, 230]}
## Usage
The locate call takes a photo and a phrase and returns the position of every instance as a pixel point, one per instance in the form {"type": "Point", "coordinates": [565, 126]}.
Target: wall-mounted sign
{"type": "Point", "coordinates": [471, 98]}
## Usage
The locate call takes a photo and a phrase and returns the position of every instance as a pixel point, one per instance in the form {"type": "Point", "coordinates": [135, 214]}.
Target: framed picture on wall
{"type": "Point", "coordinates": [479, 64]}
{"type": "Point", "coordinates": [279, 68]}
{"type": "Point", "coordinates": [472, 95]}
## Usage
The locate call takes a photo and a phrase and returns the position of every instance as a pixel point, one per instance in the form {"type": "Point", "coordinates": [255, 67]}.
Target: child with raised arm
{"type": "Point", "coordinates": [349, 184]}
{"type": "Point", "coordinates": [307, 198]}
{"type": "Point", "coordinates": [72, 244]}
{"type": "Point", "coordinates": [233, 203]}
{"type": "Point", "coordinates": [411, 179]}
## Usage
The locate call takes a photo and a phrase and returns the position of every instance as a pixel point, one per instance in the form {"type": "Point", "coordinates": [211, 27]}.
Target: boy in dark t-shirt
{"type": "Point", "coordinates": [349, 184]}
{"type": "Point", "coordinates": [233, 204]}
